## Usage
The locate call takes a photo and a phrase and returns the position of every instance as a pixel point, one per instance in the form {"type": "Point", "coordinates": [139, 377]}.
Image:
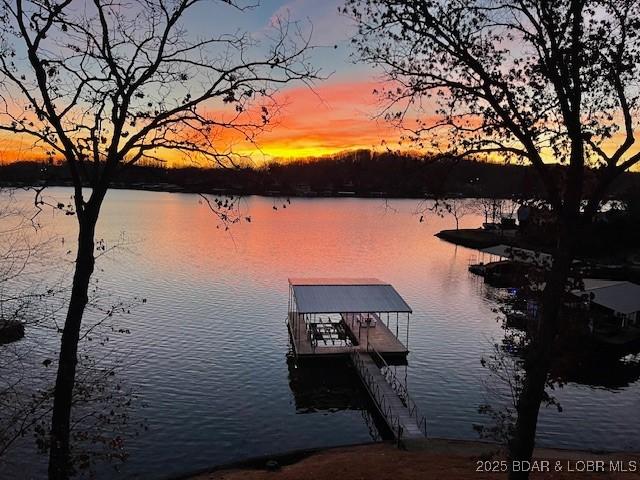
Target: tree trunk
{"type": "Point", "coordinates": [539, 358]}
{"type": "Point", "coordinates": [60, 467]}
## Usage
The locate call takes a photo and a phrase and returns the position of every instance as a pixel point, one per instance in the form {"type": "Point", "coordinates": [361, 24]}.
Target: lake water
{"type": "Point", "coordinates": [207, 352]}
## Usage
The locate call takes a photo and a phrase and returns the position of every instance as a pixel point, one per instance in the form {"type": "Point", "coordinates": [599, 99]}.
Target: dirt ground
{"type": "Point", "coordinates": [436, 459]}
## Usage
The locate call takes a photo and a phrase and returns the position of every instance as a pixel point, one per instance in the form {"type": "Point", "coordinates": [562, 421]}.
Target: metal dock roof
{"type": "Point", "coordinates": [619, 296]}
{"type": "Point", "coordinates": [343, 295]}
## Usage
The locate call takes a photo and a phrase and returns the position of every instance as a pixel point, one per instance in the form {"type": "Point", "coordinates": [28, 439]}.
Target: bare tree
{"type": "Point", "coordinates": [528, 80]}
{"type": "Point", "coordinates": [104, 84]}
{"type": "Point", "coordinates": [32, 298]}
{"type": "Point", "coordinates": [490, 208]}
{"type": "Point", "coordinates": [456, 207]}
{"type": "Point", "coordinates": [23, 255]}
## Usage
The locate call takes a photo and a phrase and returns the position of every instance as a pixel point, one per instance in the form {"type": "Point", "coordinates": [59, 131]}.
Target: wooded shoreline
{"type": "Point", "coordinates": [358, 174]}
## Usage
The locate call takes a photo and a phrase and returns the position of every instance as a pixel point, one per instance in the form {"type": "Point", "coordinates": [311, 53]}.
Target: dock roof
{"type": "Point", "coordinates": [520, 254]}
{"type": "Point", "coordinates": [346, 295]}
{"type": "Point", "coordinates": [619, 296]}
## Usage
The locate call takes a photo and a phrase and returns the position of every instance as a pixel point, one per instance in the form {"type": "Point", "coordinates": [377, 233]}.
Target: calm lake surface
{"type": "Point", "coordinates": [207, 352]}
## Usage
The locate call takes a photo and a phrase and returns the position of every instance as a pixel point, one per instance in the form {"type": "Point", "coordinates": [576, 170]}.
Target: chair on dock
{"type": "Point", "coordinates": [367, 320]}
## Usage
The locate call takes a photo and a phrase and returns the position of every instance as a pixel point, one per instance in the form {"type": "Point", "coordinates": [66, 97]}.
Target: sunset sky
{"type": "Point", "coordinates": [336, 114]}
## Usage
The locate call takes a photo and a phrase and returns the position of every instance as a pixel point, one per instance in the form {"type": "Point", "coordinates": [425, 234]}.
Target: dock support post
{"type": "Point", "coordinates": [368, 322]}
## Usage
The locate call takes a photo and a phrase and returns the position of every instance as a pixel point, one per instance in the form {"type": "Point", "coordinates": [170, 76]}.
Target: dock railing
{"type": "Point", "coordinates": [400, 388]}
{"type": "Point", "coordinates": [378, 395]}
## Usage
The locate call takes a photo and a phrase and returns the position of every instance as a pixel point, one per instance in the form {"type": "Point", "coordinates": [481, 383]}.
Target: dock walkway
{"type": "Point", "coordinates": [394, 404]}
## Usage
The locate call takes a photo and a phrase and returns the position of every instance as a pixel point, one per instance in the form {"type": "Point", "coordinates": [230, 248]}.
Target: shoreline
{"type": "Point", "coordinates": [174, 188]}
{"type": "Point", "coordinates": [437, 455]}
{"type": "Point", "coordinates": [268, 193]}
{"type": "Point", "coordinates": [476, 238]}
{"type": "Point", "coordinates": [600, 264]}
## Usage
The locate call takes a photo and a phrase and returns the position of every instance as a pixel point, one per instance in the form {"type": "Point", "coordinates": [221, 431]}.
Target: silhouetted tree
{"type": "Point", "coordinates": [456, 207]}
{"type": "Point", "coordinates": [105, 84]}
{"type": "Point", "coordinates": [526, 80]}
{"type": "Point", "coordinates": [32, 297]}
{"type": "Point", "coordinates": [490, 208]}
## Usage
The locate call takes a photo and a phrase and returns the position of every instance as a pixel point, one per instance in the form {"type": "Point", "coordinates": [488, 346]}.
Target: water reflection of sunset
{"type": "Point", "coordinates": [212, 328]}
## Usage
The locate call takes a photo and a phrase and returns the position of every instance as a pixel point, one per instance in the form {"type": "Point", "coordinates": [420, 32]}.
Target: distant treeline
{"type": "Point", "coordinates": [359, 173]}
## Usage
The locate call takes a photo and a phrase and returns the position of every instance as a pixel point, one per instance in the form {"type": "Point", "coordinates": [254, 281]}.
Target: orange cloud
{"type": "Point", "coordinates": [330, 118]}
{"type": "Point", "coordinates": [14, 147]}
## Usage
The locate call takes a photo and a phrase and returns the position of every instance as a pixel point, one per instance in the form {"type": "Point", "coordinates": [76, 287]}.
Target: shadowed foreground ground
{"type": "Point", "coordinates": [437, 459]}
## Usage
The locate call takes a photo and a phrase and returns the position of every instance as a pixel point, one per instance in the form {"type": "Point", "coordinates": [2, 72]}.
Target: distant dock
{"type": "Point", "coordinates": [355, 318]}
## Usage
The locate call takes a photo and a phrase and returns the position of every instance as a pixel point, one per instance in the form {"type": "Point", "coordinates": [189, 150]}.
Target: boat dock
{"type": "Point", "coordinates": [356, 318]}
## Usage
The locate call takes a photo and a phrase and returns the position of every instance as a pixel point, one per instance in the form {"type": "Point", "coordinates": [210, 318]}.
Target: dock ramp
{"type": "Point", "coordinates": [390, 396]}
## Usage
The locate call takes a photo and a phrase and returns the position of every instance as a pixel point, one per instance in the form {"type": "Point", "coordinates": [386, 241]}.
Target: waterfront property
{"type": "Point", "coordinates": [612, 310]}
{"type": "Point", "coordinates": [618, 298]}
{"type": "Point", "coordinates": [518, 255]}
{"type": "Point", "coordinates": [508, 266]}
{"type": "Point", "coordinates": [331, 317]}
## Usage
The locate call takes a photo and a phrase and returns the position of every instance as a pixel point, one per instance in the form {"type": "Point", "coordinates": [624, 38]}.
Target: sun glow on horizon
{"type": "Point", "coordinates": [332, 118]}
